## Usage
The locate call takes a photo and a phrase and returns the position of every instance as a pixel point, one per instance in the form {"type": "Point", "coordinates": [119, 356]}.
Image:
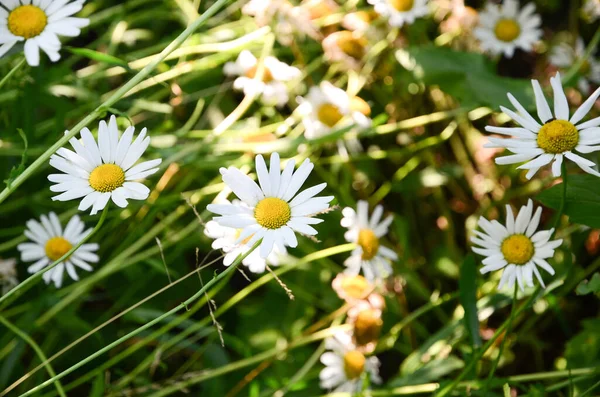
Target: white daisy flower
{"type": "Point", "coordinates": [346, 47]}
{"type": "Point", "coordinates": [38, 23]}
{"type": "Point", "coordinates": [273, 89]}
{"type": "Point", "coordinates": [8, 274]}
{"type": "Point", "coordinates": [591, 10]}
{"type": "Point", "coordinates": [400, 12]}
{"type": "Point", "coordinates": [564, 56]}
{"type": "Point", "coordinates": [273, 210]}
{"type": "Point", "coordinates": [49, 242]}
{"type": "Point", "coordinates": [226, 240]}
{"type": "Point", "coordinates": [517, 247]}
{"type": "Point", "coordinates": [327, 108]}
{"type": "Point", "coordinates": [103, 171]}
{"type": "Point", "coordinates": [504, 28]}
{"type": "Point", "coordinates": [555, 138]}
{"type": "Point", "coordinates": [346, 367]}
{"type": "Point", "coordinates": [370, 256]}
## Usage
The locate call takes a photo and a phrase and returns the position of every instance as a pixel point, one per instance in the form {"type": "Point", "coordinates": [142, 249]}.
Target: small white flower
{"type": "Point", "coordinates": [564, 56]}
{"type": "Point", "coordinates": [552, 140]}
{"type": "Point", "coordinates": [226, 240]}
{"type": "Point", "coordinates": [346, 367]}
{"type": "Point", "coordinates": [8, 274]}
{"type": "Point", "coordinates": [346, 47]}
{"type": "Point", "coordinates": [49, 242]}
{"type": "Point", "coordinates": [103, 171]}
{"type": "Point", "coordinates": [591, 10]}
{"type": "Point", "coordinates": [327, 108]}
{"type": "Point", "coordinates": [370, 255]}
{"type": "Point", "coordinates": [504, 28]}
{"type": "Point", "coordinates": [38, 23]}
{"type": "Point", "coordinates": [273, 89]}
{"type": "Point", "coordinates": [400, 12]}
{"type": "Point", "coordinates": [517, 247]}
{"type": "Point", "coordinates": [273, 210]}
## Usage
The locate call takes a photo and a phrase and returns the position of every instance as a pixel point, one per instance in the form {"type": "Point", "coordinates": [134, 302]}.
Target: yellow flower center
{"type": "Point", "coordinates": [507, 30]}
{"type": "Point", "coordinates": [356, 286]}
{"type": "Point", "coordinates": [56, 247]}
{"type": "Point", "coordinates": [351, 45]}
{"type": "Point", "coordinates": [329, 114]}
{"type": "Point", "coordinates": [369, 243]}
{"type": "Point", "coordinates": [367, 327]}
{"type": "Point", "coordinates": [558, 136]}
{"type": "Point", "coordinates": [354, 364]}
{"type": "Point", "coordinates": [272, 213]}
{"type": "Point", "coordinates": [517, 249]}
{"type": "Point", "coordinates": [106, 178]}
{"type": "Point", "coordinates": [402, 5]}
{"type": "Point", "coordinates": [267, 75]}
{"type": "Point", "coordinates": [27, 21]}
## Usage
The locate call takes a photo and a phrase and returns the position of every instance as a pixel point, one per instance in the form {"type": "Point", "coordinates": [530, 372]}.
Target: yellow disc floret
{"type": "Point", "coordinates": [558, 136]}
{"type": "Point", "coordinates": [56, 247]}
{"type": "Point", "coordinates": [353, 46]}
{"type": "Point", "coordinates": [354, 364]}
{"type": "Point", "coordinates": [367, 326]}
{"type": "Point", "coordinates": [329, 114]}
{"type": "Point", "coordinates": [267, 76]}
{"type": "Point", "coordinates": [106, 178]}
{"type": "Point", "coordinates": [356, 286]}
{"type": "Point", "coordinates": [517, 249]}
{"type": "Point", "coordinates": [272, 213]}
{"type": "Point", "coordinates": [507, 30]}
{"type": "Point", "coordinates": [402, 5]}
{"type": "Point", "coordinates": [27, 21]}
{"type": "Point", "coordinates": [369, 243]}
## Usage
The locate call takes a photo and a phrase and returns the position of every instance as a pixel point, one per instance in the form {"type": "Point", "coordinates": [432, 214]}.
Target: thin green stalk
{"type": "Point", "coordinates": [158, 319]}
{"type": "Point", "coordinates": [37, 350]}
{"type": "Point", "coordinates": [501, 349]}
{"type": "Point", "coordinates": [12, 71]}
{"type": "Point", "coordinates": [591, 47]}
{"type": "Point", "coordinates": [563, 200]}
{"type": "Point", "coordinates": [26, 284]}
{"type": "Point", "coordinates": [114, 98]}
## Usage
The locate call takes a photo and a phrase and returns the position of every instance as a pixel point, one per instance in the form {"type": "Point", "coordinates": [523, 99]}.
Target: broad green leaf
{"type": "Point", "coordinates": [589, 287]}
{"type": "Point", "coordinates": [99, 57]}
{"type": "Point", "coordinates": [469, 77]}
{"type": "Point", "coordinates": [583, 199]}
{"type": "Point", "coordinates": [468, 299]}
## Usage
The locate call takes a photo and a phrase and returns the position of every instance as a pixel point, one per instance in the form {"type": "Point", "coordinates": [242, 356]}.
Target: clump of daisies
{"type": "Point", "coordinates": [346, 367]}
{"type": "Point", "coordinates": [38, 24]}
{"type": "Point", "coordinates": [49, 242]}
{"type": "Point", "coordinates": [272, 210]}
{"type": "Point", "coordinates": [564, 55]}
{"type": "Point", "coordinates": [401, 12]}
{"type": "Point", "coordinates": [553, 138]}
{"type": "Point", "coordinates": [504, 27]}
{"type": "Point", "coordinates": [369, 256]}
{"type": "Point", "coordinates": [273, 88]}
{"type": "Point", "coordinates": [225, 239]}
{"type": "Point", "coordinates": [8, 274]}
{"type": "Point", "coordinates": [517, 247]}
{"type": "Point", "coordinates": [103, 171]}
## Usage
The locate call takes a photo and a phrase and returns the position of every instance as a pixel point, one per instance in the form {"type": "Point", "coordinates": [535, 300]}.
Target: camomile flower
{"type": "Point", "coordinates": [49, 242]}
{"type": "Point", "coordinates": [369, 255]}
{"type": "Point", "coordinates": [401, 12]}
{"type": "Point", "coordinates": [565, 55]}
{"type": "Point", "coordinates": [516, 247]}
{"type": "Point", "coordinates": [367, 323]}
{"type": "Point", "coordinates": [346, 47]}
{"type": "Point", "coordinates": [38, 23]}
{"type": "Point", "coordinates": [360, 21]}
{"type": "Point", "coordinates": [556, 138]}
{"type": "Point", "coordinates": [327, 108]}
{"type": "Point", "coordinates": [272, 89]}
{"type": "Point", "coordinates": [591, 10]}
{"type": "Point", "coordinates": [274, 210]}
{"type": "Point", "coordinates": [345, 366]}
{"type": "Point", "coordinates": [103, 171]}
{"type": "Point", "coordinates": [8, 274]}
{"type": "Point", "coordinates": [226, 240]}
{"type": "Point", "coordinates": [503, 27]}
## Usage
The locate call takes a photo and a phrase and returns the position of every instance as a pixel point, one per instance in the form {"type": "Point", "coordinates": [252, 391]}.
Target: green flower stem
{"type": "Point", "coordinates": [563, 200]}
{"type": "Point", "coordinates": [29, 281]}
{"type": "Point", "coordinates": [591, 47]}
{"type": "Point", "coordinates": [149, 324]}
{"type": "Point", "coordinates": [114, 98]}
{"type": "Point", "coordinates": [12, 71]}
{"type": "Point", "coordinates": [37, 350]}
